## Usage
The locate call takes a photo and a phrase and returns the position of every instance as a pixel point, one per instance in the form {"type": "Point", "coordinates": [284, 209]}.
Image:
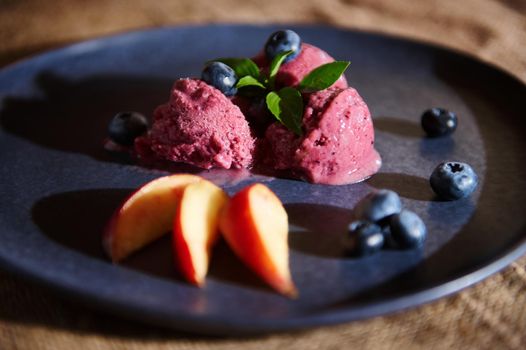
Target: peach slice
{"type": "Point", "coordinates": [145, 216]}
{"type": "Point", "coordinates": [196, 229]}
{"type": "Point", "coordinates": [255, 225]}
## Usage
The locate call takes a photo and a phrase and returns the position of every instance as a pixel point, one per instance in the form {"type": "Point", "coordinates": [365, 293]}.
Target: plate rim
{"type": "Point", "coordinates": [217, 326]}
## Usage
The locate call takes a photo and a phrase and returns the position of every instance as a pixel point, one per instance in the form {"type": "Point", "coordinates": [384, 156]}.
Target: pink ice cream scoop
{"type": "Point", "coordinates": [337, 146]}
{"type": "Point", "coordinates": [292, 72]}
{"type": "Point", "coordinates": [289, 74]}
{"type": "Point", "coordinates": [200, 126]}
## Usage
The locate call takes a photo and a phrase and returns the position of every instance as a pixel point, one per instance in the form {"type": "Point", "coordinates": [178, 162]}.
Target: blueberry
{"type": "Point", "coordinates": [386, 231]}
{"type": "Point", "coordinates": [356, 224]}
{"type": "Point", "coordinates": [364, 238]}
{"type": "Point", "coordinates": [220, 76]}
{"type": "Point", "coordinates": [378, 205]}
{"type": "Point", "coordinates": [281, 41]}
{"type": "Point", "coordinates": [407, 229]}
{"type": "Point", "coordinates": [126, 126]}
{"type": "Point", "coordinates": [453, 180]}
{"type": "Point", "coordinates": [438, 122]}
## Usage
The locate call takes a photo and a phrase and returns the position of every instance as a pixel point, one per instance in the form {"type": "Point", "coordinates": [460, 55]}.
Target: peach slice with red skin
{"type": "Point", "coordinates": [145, 216]}
{"type": "Point", "coordinates": [255, 225]}
{"type": "Point", "coordinates": [196, 229]}
{"type": "Point", "coordinates": [253, 222]}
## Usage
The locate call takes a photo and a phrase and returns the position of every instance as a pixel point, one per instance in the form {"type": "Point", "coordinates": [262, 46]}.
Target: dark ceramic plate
{"type": "Point", "coordinates": [59, 187]}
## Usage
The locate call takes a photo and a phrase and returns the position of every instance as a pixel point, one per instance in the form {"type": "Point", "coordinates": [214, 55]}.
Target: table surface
{"type": "Point", "coordinates": [490, 315]}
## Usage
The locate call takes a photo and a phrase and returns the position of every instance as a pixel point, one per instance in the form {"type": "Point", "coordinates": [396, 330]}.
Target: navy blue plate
{"type": "Point", "coordinates": [59, 187]}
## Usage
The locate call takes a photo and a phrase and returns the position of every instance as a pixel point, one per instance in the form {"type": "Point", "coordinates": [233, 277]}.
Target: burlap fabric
{"type": "Point", "coordinates": [491, 315]}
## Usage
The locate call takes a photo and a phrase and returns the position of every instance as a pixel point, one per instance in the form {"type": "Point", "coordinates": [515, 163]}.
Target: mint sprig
{"type": "Point", "coordinates": [286, 105]}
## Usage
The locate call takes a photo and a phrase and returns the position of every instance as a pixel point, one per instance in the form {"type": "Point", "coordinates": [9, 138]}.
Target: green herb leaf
{"type": "Point", "coordinates": [242, 66]}
{"type": "Point", "coordinates": [276, 63]}
{"type": "Point", "coordinates": [287, 106]}
{"type": "Point", "coordinates": [273, 100]}
{"type": "Point", "coordinates": [249, 81]}
{"type": "Point", "coordinates": [323, 76]}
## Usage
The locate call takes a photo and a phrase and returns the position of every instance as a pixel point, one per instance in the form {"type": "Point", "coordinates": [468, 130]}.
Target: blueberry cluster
{"type": "Point", "coordinates": [381, 221]}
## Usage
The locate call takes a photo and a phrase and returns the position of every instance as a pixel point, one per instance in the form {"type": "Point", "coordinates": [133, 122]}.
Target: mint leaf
{"type": "Point", "coordinates": [323, 76]}
{"type": "Point", "coordinates": [276, 63]}
{"type": "Point", "coordinates": [242, 66]}
{"type": "Point", "coordinates": [273, 100]}
{"type": "Point", "coordinates": [249, 81]}
{"type": "Point", "coordinates": [287, 106]}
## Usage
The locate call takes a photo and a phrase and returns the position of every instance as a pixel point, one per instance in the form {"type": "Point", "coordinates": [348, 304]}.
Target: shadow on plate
{"type": "Point", "coordinates": [398, 126]}
{"type": "Point", "coordinates": [72, 116]}
{"type": "Point", "coordinates": [408, 186]}
{"type": "Point", "coordinates": [317, 229]}
{"type": "Point", "coordinates": [77, 219]}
